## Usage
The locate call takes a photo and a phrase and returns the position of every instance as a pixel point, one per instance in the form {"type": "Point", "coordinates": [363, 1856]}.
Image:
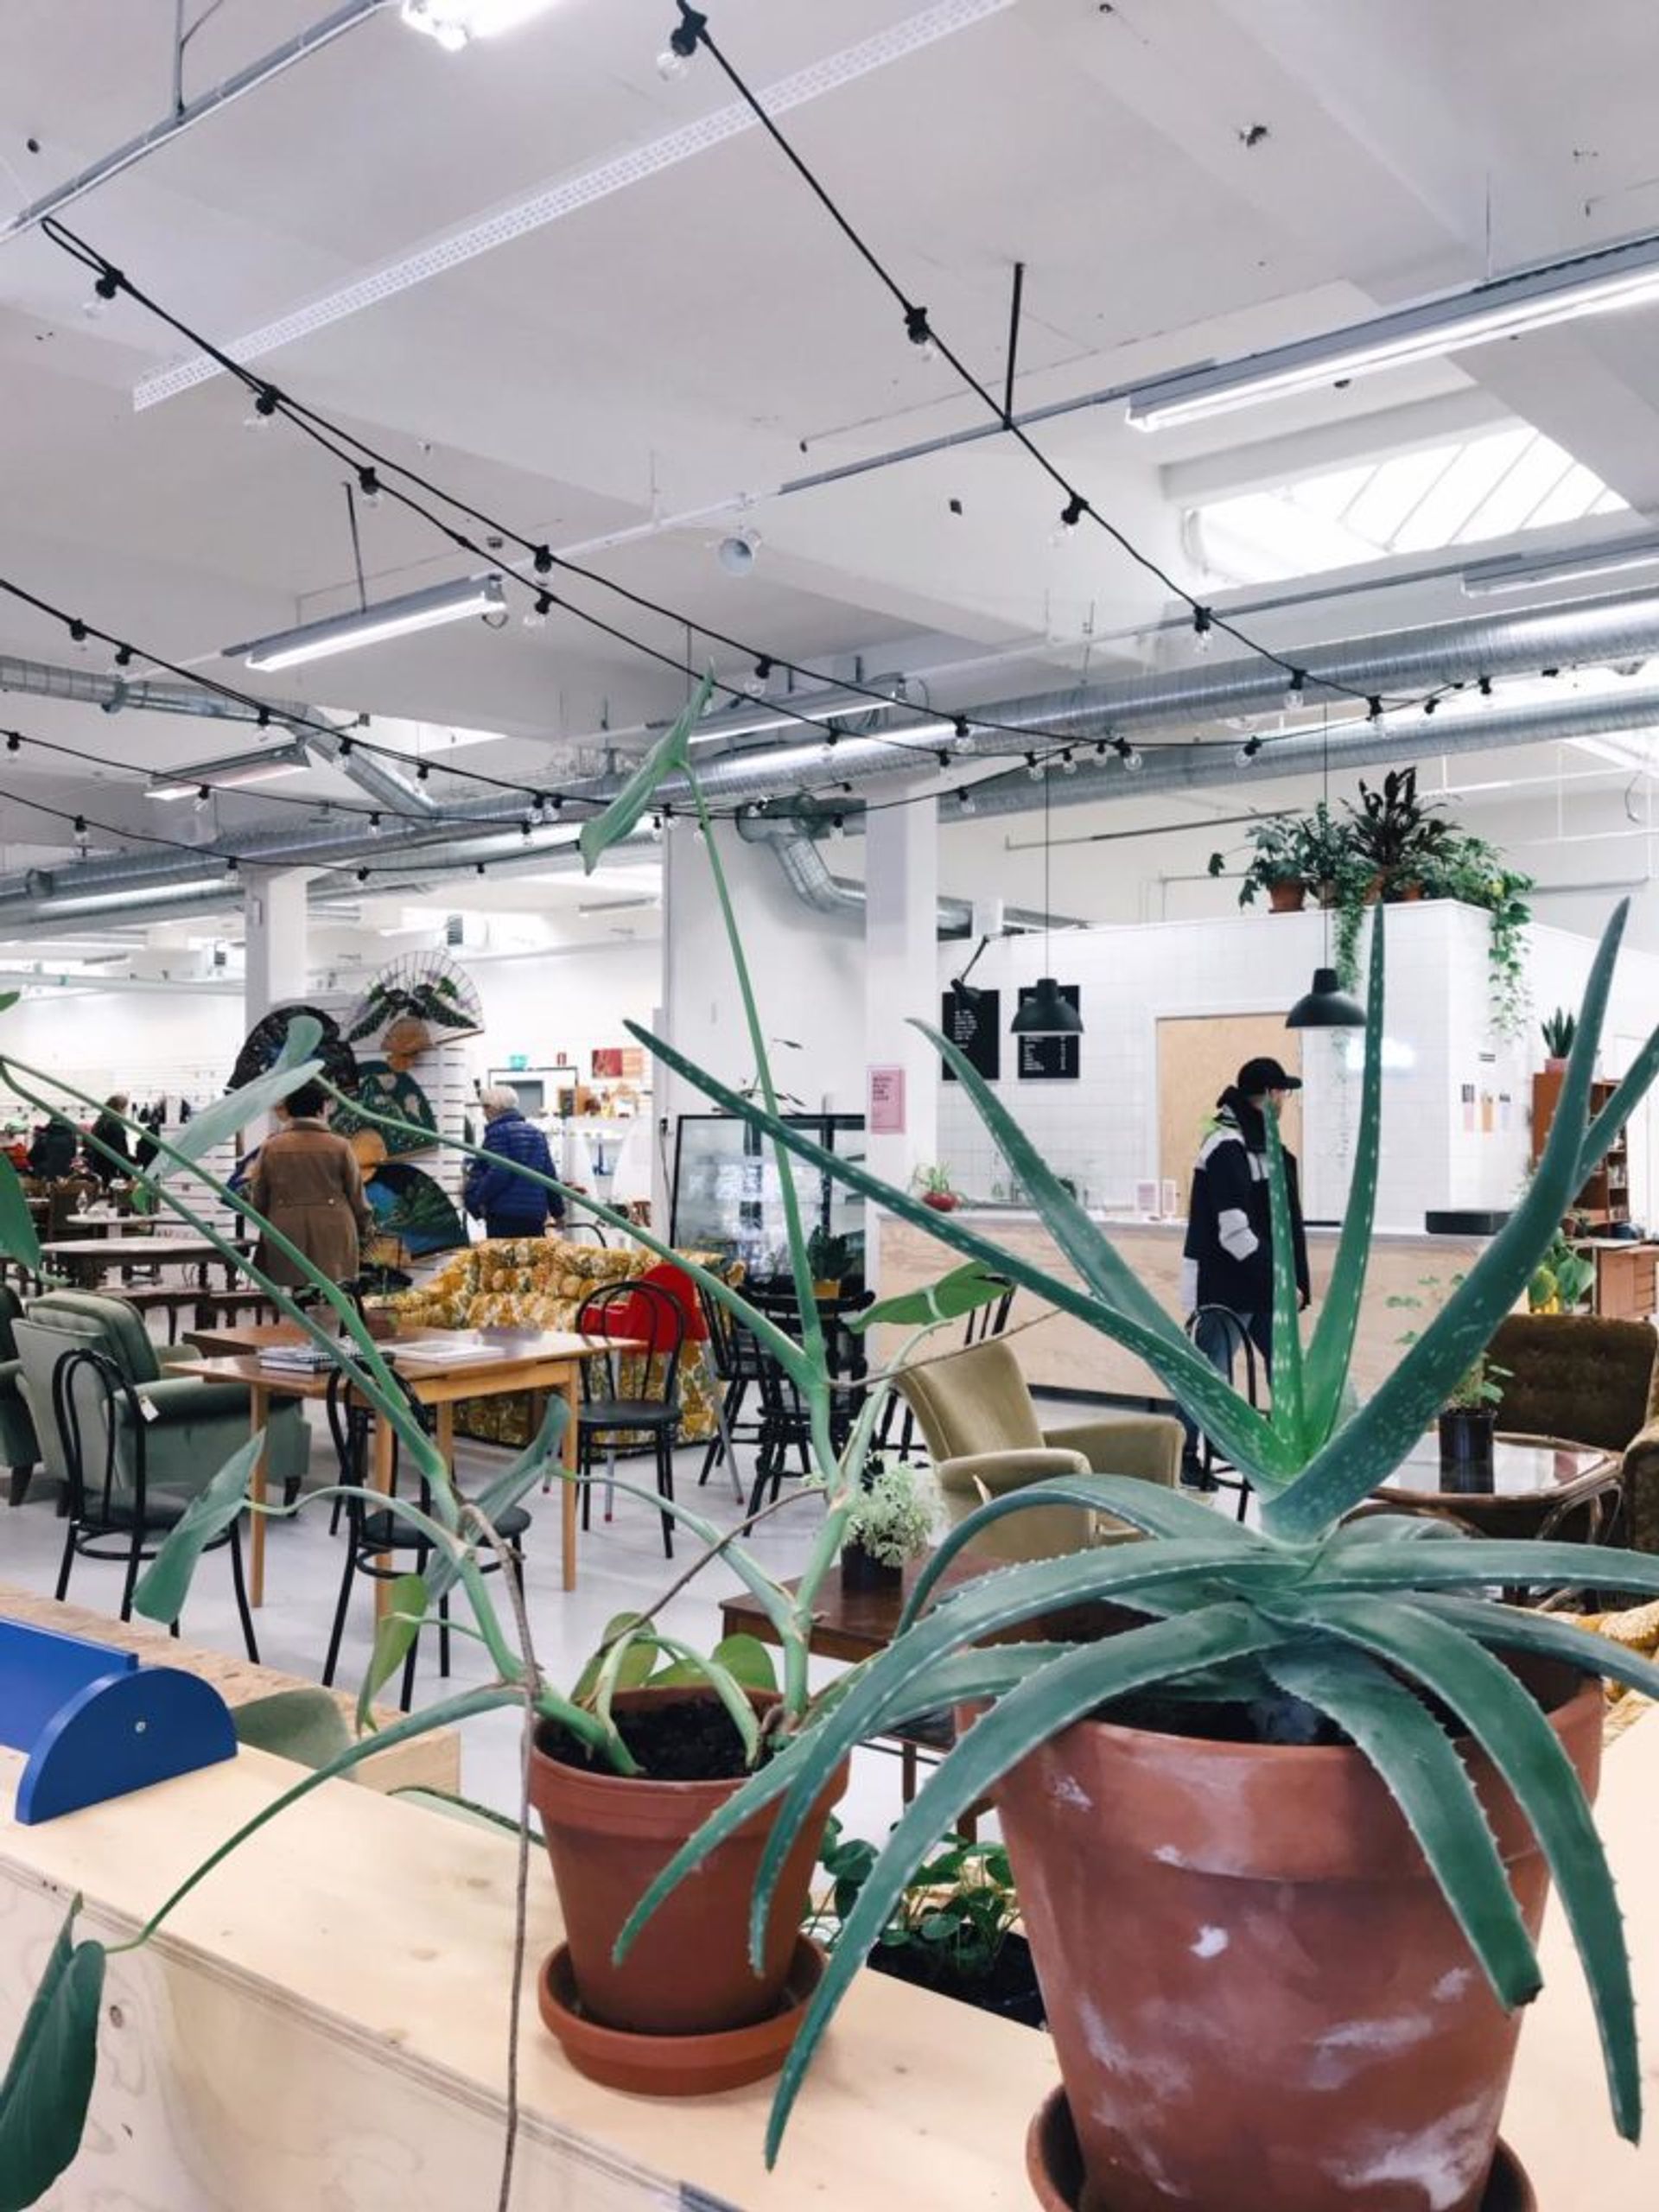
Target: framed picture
{"type": "Point", "coordinates": [973, 1021]}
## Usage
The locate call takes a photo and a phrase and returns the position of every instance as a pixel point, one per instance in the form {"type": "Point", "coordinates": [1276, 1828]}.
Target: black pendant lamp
{"type": "Point", "coordinates": [1045, 1013]}
{"type": "Point", "coordinates": [1327, 1005]}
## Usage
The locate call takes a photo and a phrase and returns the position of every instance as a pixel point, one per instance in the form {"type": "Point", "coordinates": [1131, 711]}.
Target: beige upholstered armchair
{"type": "Point", "coordinates": [976, 1412]}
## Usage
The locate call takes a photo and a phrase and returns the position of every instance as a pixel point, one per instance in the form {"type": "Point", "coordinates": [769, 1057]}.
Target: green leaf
{"type": "Point", "coordinates": [1032, 1716]}
{"type": "Point", "coordinates": [632, 1668]}
{"type": "Point", "coordinates": [1287, 1414]}
{"type": "Point", "coordinates": [394, 1633]}
{"type": "Point", "coordinates": [668, 758]}
{"type": "Point", "coordinates": [226, 1117]}
{"type": "Point", "coordinates": [48, 2084]}
{"type": "Point", "coordinates": [1511, 1628]}
{"type": "Point", "coordinates": [962, 1291]}
{"type": "Point", "coordinates": [165, 1583]}
{"type": "Point", "coordinates": [306, 1725]}
{"type": "Point", "coordinates": [1511, 1729]}
{"type": "Point", "coordinates": [8, 1000]}
{"type": "Point", "coordinates": [1371, 1445]}
{"type": "Point", "coordinates": [18, 1237]}
{"type": "Point", "coordinates": [1331, 1347]}
{"type": "Point", "coordinates": [1246, 1435]}
{"type": "Point", "coordinates": [1480, 1562]}
{"type": "Point", "coordinates": [1145, 1506]}
{"type": "Point", "coordinates": [1430, 1783]}
{"type": "Point", "coordinates": [884, 1691]}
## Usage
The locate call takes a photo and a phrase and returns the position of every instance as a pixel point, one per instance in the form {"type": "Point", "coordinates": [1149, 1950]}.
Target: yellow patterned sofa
{"type": "Point", "coordinates": [538, 1282]}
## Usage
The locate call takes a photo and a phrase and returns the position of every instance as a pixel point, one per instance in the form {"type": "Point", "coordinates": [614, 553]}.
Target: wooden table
{"type": "Point", "coordinates": [440, 1367]}
{"type": "Point", "coordinates": [850, 1624]}
{"type": "Point", "coordinates": [86, 1259]}
{"type": "Point", "coordinates": [112, 1224]}
{"type": "Point", "coordinates": [1537, 1484]}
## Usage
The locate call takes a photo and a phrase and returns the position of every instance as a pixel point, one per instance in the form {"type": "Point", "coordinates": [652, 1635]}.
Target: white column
{"type": "Point", "coordinates": [274, 914]}
{"type": "Point", "coordinates": [901, 871]}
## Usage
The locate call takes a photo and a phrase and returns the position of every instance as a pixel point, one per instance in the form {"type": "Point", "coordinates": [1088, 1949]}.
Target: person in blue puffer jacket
{"type": "Point", "coordinates": [510, 1204]}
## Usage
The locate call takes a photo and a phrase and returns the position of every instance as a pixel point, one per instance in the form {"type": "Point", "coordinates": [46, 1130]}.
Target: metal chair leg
{"type": "Point", "coordinates": [21, 1479]}
{"type": "Point", "coordinates": [241, 1588]}
{"type": "Point", "coordinates": [130, 1582]}
{"type": "Point", "coordinates": [67, 1563]}
{"type": "Point", "coordinates": [665, 1485]}
{"type": "Point", "coordinates": [339, 1630]}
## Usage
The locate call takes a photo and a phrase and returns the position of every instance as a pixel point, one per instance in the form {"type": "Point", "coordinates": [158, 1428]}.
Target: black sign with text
{"type": "Point", "coordinates": [973, 1022]}
{"type": "Point", "coordinates": [1050, 1059]}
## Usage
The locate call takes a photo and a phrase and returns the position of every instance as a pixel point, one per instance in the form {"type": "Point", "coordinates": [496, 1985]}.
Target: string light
{"type": "Point", "coordinates": [1373, 709]}
{"type": "Point", "coordinates": [101, 294]}
{"type": "Point", "coordinates": [368, 485]}
{"type": "Point", "coordinates": [536, 614]}
{"type": "Point", "coordinates": [678, 55]}
{"type": "Point", "coordinates": [1033, 768]}
{"type": "Point", "coordinates": [756, 683]}
{"type": "Point", "coordinates": [232, 864]}
{"type": "Point", "coordinates": [1485, 687]}
{"type": "Point", "coordinates": [943, 757]}
{"type": "Point", "coordinates": [526, 826]}
{"type": "Point", "coordinates": [478, 867]}
{"type": "Point", "coordinates": [204, 794]}
{"type": "Point", "coordinates": [1247, 752]}
{"type": "Point", "coordinates": [1203, 629]}
{"type": "Point", "coordinates": [362, 875]}
{"type": "Point", "coordinates": [264, 406]}
{"type": "Point", "coordinates": [555, 804]}
{"type": "Point", "coordinates": [422, 772]}
{"type": "Point", "coordinates": [78, 635]}
{"type": "Point", "coordinates": [123, 655]}
{"type": "Point", "coordinates": [542, 560]}
{"type": "Point", "coordinates": [920, 336]}
{"type": "Point", "coordinates": [83, 837]}
{"type": "Point", "coordinates": [262, 720]}
{"type": "Point", "coordinates": [1068, 762]}
{"type": "Point", "coordinates": [963, 734]}
{"type": "Point", "coordinates": [965, 799]}
{"type": "Point", "coordinates": [837, 823]}
{"type": "Point", "coordinates": [1070, 515]}
{"type": "Point", "coordinates": [1126, 753]}
{"type": "Point", "coordinates": [1295, 687]}
{"type": "Point", "coordinates": [374, 825]}
{"type": "Point", "coordinates": [1430, 703]}
{"type": "Point", "coordinates": [13, 742]}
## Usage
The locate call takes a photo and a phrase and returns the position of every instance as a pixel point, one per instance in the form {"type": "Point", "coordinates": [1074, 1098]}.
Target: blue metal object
{"type": "Point", "coordinates": [96, 1725]}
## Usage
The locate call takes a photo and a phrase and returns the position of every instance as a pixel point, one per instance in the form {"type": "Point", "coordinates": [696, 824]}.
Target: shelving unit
{"type": "Point", "coordinates": [1606, 1199]}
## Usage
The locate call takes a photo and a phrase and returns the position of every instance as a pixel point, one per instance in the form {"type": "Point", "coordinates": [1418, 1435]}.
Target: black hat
{"type": "Point", "coordinates": [1258, 1076]}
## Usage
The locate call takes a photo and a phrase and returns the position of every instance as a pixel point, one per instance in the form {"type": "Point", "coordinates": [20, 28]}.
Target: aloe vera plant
{"type": "Point", "coordinates": [1341, 1616]}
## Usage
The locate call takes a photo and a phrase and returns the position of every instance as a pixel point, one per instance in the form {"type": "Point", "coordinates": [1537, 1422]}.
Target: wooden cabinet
{"type": "Point", "coordinates": [1625, 1278]}
{"type": "Point", "coordinates": [1606, 1199]}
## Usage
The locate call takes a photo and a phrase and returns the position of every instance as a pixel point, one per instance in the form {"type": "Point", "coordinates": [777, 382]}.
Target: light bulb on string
{"type": "Point", "coordinates": [1246, 753]}
{"type": "Point", "coordinates": [536, 614]}
{"type": "Point", "coordinates": [526, 826]}
{"type": "Point", "coordinates": [1295, 690]}
{"type": "Point", "coordinates": [100, 296]}
{"type": "Point", "coordinates": [1485, 687]}
{"type": "Point", "coordinates": [962, 735]}
{"type": "Point", "coordinates": [1203, 629]}
{"type": "Point", "coordinates": [1068, 762]}
{"type": "Point", "coordinates": [678, 55]}
{"type": "Point", "coordinates": [755, 683]}
{"type": "Point", "coordinates": [83, 837]}
{"type": "Point", "coordinates": [264, 406]}
{"type": "Point", "coordinates": [1373, 710]}
{"type": "Point", "coordinates": [123, 656]}
{"type": "Point", "coordinates": [1070, 515]}
{"type": "Point", "coordinates": [920, 336]}
{"type": "Point", "coordinates": [965, 799]}
{"type": "Point", "coordinates": [204, 796]}
{"type": "Point", "coordinates": [1126, 753]}
{"type": "Point", "coordinates": [1033, 768]}
{"type": "Point", "coordinates": [374, 825]}
{"type": "Point", "coordinates": [368, 486]}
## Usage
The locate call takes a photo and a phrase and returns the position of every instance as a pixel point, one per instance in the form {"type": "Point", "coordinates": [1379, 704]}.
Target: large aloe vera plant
{"type": "Point", "coordinates": [1342, 1616]}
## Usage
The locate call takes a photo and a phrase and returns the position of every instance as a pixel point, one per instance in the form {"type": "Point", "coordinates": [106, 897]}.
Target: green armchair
{"type": "Point", "coordinates": [1583, 1379]}
{"type": "Point", "coordinates": [18, 1449]}
{"type": "Point", "coordinates": [976, 1412]}
{"type": "Point", "coordinates": [192, 1426]}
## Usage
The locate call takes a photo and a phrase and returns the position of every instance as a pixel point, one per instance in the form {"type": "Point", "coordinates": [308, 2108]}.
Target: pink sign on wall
{"type": "Point", "coordinates": [887, 1101]}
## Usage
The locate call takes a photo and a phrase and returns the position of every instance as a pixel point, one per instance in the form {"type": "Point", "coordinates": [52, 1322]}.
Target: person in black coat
{"type": "Point", "coordinates": [1227, 1260]}
{"type": "Point", "coordinates": [52, 1150]}
{"type": "Point", "coordinates": [108, 1129]}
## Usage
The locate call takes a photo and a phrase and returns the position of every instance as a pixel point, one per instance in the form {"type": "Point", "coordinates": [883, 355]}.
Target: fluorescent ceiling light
{"type": "Point", "coordinates": [570, 194]}
{"type": "Point", "coordinates": [454, 24]}
{"type": "Point", "coordinates": [1521, 571]}
{"type": "Point", "coordinates": [372, 625]}
{"type": "Point", "coordinates": [1590, 283]}
{"type": "Point", "coordinates": [233, 770]}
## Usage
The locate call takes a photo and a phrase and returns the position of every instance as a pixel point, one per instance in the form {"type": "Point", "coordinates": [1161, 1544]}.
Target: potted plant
{"type": "Point", "coordinates": [1275, 866]}
{"type": "Point", "coordinates": [1470, 870]}
{"type": "Point", "coordinates": [1468, 1426]}
{"type": "Point", "coordinates": [935, 1186]}
{"type": "Point", "coordinates": [891, 1522]}
{"type": "Point", "coordinates": [832, 1260]}
{"type": "Point", "coordinates": [954, 1930]}
{"type": "Point", "coordinates": [1562, 1280]}
{"type": "Point", "coordinates": [1559, 1030]}
{"type": "Point", "coordinates": [1395, 833]}
{"type": "Point", "coordinates": [1404, 1762]}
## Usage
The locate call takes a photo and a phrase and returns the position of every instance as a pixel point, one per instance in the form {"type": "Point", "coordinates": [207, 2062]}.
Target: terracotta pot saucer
{"type": "Point", "coordinates": [675, 2066]}
{"type": "Point", "coordinates": [1054, 2164]}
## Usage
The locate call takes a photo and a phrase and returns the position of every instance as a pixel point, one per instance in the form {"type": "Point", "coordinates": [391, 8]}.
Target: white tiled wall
{"type": "Point", "coordinates": [1102, 1129]}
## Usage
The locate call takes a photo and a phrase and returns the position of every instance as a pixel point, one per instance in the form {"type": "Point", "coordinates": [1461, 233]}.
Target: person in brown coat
{"type": "Point", "coordinates": [307, 1183]}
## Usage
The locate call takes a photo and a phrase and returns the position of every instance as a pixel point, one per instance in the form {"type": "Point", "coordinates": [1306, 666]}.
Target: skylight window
{"type": "Point", "coordinates": [1502, 482]}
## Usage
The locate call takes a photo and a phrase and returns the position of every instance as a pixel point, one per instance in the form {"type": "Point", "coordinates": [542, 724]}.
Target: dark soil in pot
{"type": "Point", "coordinates": [1259, 1998]}
{"type": "Point", "coordinates": [1009, 1989]}
{"type": "Point", "coordinates": [609, 1835]}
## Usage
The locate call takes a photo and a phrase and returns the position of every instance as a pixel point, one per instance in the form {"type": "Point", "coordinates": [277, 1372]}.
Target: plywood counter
{"type": "Point", "coordinates": [324, 2024]}
{"type": "Point", "coordinates": [1059, 1353]}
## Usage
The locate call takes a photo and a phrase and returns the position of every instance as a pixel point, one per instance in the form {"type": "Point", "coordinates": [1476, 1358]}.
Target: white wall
{"type": "Point", "coordinates": [559, 1004]}
{"type": "Point", "coordinates": [1102, 1128]}
{"type": "Point", "coordinates": [145, 1043]}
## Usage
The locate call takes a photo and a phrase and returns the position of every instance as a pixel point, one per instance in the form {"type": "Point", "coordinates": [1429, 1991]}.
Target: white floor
{"type": "Point", "coordinates": [622, 1567]}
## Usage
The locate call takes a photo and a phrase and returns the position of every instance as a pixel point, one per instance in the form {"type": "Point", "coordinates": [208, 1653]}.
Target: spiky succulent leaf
{"type": "Point", "coordinates": [667, 758]}
{"type": "Point", "coordinates": [1331, 1347]}
{"type": "Point", "coordinates": [1287, 1415]}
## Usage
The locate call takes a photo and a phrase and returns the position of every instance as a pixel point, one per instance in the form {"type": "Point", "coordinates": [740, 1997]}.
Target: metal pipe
{"type": "Point", "coordinates": [297, 48]}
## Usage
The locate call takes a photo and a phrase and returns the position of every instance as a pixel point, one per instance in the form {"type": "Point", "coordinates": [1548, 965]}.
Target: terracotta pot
{"type": "Point", "coordinates": [861, 1570]}
{"type": "Point", "coordinates": [1054, 2163]}
{"type": "Point", "coordinates": [941, 1201]}
{"type": "Point", "coordinates": [1555, 1064]}
{"type": "Point", "coordinates": [1286, 898]}
{"type": "Point", "coordinates": [1406, 893]}
{"type": "Point", "coordinates": [1467, 1436]}
{"type": "Point", "coordinates": [1259, 1999]}
{"type": "Point", "coordinates": [609, 1835]}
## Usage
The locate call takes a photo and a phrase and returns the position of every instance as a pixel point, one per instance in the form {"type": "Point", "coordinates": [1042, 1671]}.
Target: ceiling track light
{"type": "Point", "coordinates": [1596, 282]}
{"type": "Point", "coordinates": [454, 24]}
{"type": "Point", "coordinates": [374, 625]}
{"type": "Point", "coordinates": [235, 770]}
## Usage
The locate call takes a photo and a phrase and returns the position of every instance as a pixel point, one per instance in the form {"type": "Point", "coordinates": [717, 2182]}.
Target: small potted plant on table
{"type": "Point", "coordinates": [935, 1188]}
{"type": "Point", "coordinates": [1559, 1030]}
{"type": "Point", "coordinates": [890, 1522]}
{"type": "Point", "coordinates": [1468, 1426]}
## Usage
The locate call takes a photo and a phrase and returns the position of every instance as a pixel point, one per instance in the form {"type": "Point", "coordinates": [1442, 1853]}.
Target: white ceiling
{"type": "Point", "coordinates": [704, 335]}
